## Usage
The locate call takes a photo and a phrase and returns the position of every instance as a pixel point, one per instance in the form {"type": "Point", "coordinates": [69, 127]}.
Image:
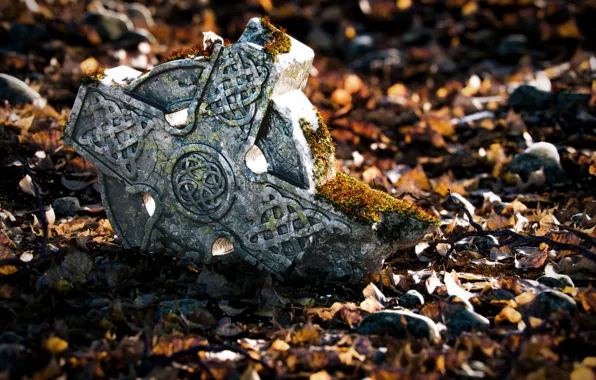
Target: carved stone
{"type": "Point", "coordinates": [208, 156]}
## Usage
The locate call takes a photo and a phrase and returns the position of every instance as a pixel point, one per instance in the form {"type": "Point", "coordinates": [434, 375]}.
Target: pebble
{"type": "Point", "coordinates": [26, 36]}
{"type": "Point", "coordinates": [536, 156]}
{"type": "Point", "coordinates": [529, 98]}
{"type": "Point", "coordinates": [66, 206]}
{"type": "Point", "coordinates": [462, 319]}
{"type": "Point", "coordinates": [399, 324]}
{"type": "Point", "coordinates": [555, 283]}
{"type": "Point", "coordinates": [110, 25]}
{"type": "Point", "coordinates": [136, 36]}
{"type": "Point", "coordinates": [513, 47]}
{"type": "Point", "coordinates": [552, 301]}
{"type": "Point", "coordinates": [16, 91]}
{"type": "Point", "coordinates": [139, 14]}
{"type": "Point", "coordinates": [411, 299]}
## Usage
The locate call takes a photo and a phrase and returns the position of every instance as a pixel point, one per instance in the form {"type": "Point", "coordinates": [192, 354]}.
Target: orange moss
{"type": "Point", "coordinates": [189, 52]}
{"type": "Point", "coordinates": [360, 202]}
{"type": "Point", "coordinates": [93, 76]}
{"type": "Point", "coordinates": [279, 42]}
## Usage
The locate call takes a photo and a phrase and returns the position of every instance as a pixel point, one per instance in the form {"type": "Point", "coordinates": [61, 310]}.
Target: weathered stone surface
{"type": "Point", "coordinates": [222, 157]}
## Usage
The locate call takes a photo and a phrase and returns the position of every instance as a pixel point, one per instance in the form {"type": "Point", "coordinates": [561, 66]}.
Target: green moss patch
{"type": "Point", "coordinates": [279, 42]}
{"type": "Point", "coordinates": [321, 147]}
{"type": "Point", "coordinates": [93, 76]}
{"type": "Point", "coordinates": [358, 201]}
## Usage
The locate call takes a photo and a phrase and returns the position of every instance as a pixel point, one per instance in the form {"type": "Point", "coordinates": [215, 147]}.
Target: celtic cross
{"type": "Point", "coordinates": [223, 156]}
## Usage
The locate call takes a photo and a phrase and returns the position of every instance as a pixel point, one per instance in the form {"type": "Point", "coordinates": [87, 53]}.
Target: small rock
{"type": "Point", "coordinates": [185, 306]}
{"type": "Point", "coordinates": [411, 299]}
{"type": "Point", "coordinates": [27, 36]}
{"type": "Point", "coordinates": [110, 25]}
{"type": "Point", "coordinates": [553, 279]}
{"type": "Point", "coordinates": [139, 14]}
{"type": "Point", "coordinates": [320, 40]}
{"type": "Point", "coordinates": [16, 91]}
{"type": "Point", "coordinates": [541, 155]}
{"type": "Point", "coordinates": [555, 283]}
{"type": "Point", "coordinates": [399, 324]}
{"type": "Point", "coordinates": [462, 319]}
{"type": "Point", "coordinates": [529, 98]}
{"type": "Point", "coordinates": [513, 47]}
{"type": "Point", "coordinates": [552, 301]}
{"type": "Point", "coordinates": [569, 99]}
{"type": "Point", "coordinates": [67, 206]}
{"type": "Point", "coordinates": [134, 37]}
{"type": "Point", "coordinates": [361, 45]}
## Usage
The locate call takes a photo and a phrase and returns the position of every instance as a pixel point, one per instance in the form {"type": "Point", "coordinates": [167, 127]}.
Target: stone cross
{"type": "Point", "coordinates": [222, 157]}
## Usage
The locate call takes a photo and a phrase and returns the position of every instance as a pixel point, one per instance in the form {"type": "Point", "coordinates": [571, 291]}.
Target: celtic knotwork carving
{"type": "Point", "coordinates": [199, 182]}
{"type": "Point", "coordinates": [235, 88]}
{"type": "Point", "coordinates": [285, 226]}
{"type": "Point", "coordinates": [202, 182]}
{"type": "Point", "coordinates": [116, 134]}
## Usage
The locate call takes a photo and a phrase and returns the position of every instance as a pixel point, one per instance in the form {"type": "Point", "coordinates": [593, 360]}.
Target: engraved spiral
{"type": "Point", "coordinates": [200, 183]}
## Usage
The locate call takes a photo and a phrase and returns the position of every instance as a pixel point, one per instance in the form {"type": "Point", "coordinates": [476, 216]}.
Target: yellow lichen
{"type": "Point", "coordinates": [279, 42]}
{"type": "Point", "coordinates": [360, 202]}
{"type": "Point", "coordinates": [350, 196]}
{"type": "Point", "coordinates": [93, 76]}
{"type": "Point", "coordinates": [321, 147]}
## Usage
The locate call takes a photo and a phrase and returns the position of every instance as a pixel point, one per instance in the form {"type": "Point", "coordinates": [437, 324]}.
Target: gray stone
{"type": "Point", "coordinates": [463, 319]}
{"type": "Point", "coordinates": [513, 46]}
{"type": "Point", "coordinates": [553, 301]}
{"type": "Point", "coordinates": [139, 14]}
{"type": "Point", "coordinates": [16, 91]}
{"type": "Point", "coordinates": [399, 324]}
{"type": "Point", "coordinates": [411, 299]}
{"type": "Point", "coordinates": [529, 98]}
{"type": "Point", "coordinates": [67, 206]}
{"type": "Point", "coordinates": [541, 155]}
{"type": "Point", "coordinates": [136, 36]}
{"type": "Point", "coordinates": [211, 157]}
{"type": "Point", "coordinates": [27, 36]}
{"type": "Point", "coordinates": [109, 25]}
{"type": "Point", "coordinates": [555, 283]}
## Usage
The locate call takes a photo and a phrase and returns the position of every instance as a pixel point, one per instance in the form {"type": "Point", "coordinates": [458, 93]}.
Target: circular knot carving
{"type": "Point", "coordinates": [202, 183]}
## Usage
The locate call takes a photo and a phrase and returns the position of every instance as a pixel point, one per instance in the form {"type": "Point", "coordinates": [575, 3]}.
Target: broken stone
{"type": "Point", "coordinates": [222, 155]}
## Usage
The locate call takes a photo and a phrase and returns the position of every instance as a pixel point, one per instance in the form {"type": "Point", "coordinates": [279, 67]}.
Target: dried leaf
{"type": "Point", "coordinates": [55, 345]}
{"type": "Point", "coordinates": [532, 259]}
{"type": "Point", "coordinates": [508, 314]}
{"type": "Point", "coordinates": [26, 184]}
{"type": "Point", "coordinates": [307, 335]}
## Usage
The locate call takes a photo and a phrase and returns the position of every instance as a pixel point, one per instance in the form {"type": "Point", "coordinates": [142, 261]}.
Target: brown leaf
{"type": "Point", "coordinates": [534, 259]}
{"type": "Point", "coordinates": [167, 346]}
{"type": "Point", "coordinates": [307, 335]}
{"type": "Point", "coordinates": [508, 314]}
{"type": "Point", "coordinates": [587, 297]}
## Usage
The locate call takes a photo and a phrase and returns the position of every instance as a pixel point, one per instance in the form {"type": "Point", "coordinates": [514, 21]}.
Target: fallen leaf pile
{"type": "Point", "coordinates": [483, 112]}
